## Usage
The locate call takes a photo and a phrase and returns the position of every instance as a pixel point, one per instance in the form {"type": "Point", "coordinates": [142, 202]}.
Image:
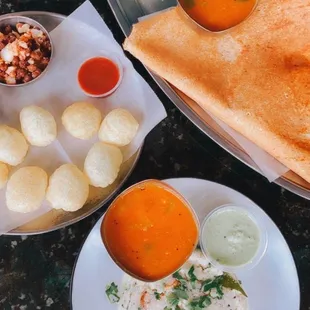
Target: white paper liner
{"type": "Point", "coordinates": [80, 36]}
{"type": "Point", "coordinates": [270, 167]}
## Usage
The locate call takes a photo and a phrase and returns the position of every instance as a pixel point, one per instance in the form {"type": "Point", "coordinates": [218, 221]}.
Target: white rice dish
{"type": "Point", "coordinates": [197, 285]}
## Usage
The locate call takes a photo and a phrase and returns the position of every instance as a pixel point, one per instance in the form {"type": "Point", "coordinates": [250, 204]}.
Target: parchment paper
{"type": "Point", "coordinates": [80, 36]}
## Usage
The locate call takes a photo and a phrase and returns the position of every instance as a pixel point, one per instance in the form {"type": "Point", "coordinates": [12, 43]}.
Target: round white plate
{"type": "Point", "coordinates": [272, 285]}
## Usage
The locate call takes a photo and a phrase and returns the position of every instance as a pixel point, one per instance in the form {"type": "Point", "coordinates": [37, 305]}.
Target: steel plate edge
{"type": "Point", "coordinates": [125, 26]}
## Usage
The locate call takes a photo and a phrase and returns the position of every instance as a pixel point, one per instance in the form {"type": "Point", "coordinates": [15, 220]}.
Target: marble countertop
{"type": "Point", "coordinates": [35, 271]}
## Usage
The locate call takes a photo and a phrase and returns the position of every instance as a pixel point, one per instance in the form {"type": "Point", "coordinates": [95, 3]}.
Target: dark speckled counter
{"type": "Point", "coordinates": [35, 271]}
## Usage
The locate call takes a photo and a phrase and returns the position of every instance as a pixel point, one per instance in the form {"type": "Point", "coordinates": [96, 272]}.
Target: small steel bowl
{"type": "Point", "coordinates": [198, 25]}
{"type": "Point", "coordinates": [175, 193]}
{"type": "Point", "coordinates": [12, 20]}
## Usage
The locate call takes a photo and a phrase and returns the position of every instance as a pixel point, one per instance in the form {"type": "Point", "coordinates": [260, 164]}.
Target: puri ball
{"type": "Point", "coordinates": [68, 188]}
{"type": "Point", "coordinates": [13, 146]}
{"type": "Point", "coordinates": [26, 189]}
{"type": "Point", "coordinates": [4, 174]}
{"type": "Point", "coordinates": [38, 125]}
{"type": "Point", "coordinates": [102, 164]}
{"type": "Point", "coordinates": [119, 127]}
{"type": "Point", "coordinates": [81, 120]}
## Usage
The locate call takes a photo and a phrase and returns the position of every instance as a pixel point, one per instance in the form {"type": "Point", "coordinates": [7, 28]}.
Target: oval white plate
{"type": "Point", "coordinates": [272, 285]}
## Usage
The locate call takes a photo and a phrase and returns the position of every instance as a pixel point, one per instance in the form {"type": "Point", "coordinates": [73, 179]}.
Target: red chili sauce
{"type": "Point", "coordinates": [98, 76]}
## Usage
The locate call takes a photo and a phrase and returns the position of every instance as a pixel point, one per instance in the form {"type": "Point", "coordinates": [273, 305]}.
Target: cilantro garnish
{"type": "Point", "coordinates": [180, 293]}
{"type": "Point", "coordinates": [173, 299]}
{"type": "Point", "coordinates": [192, 276]}
{"type": "Point", "coordinates": [219, 282]}
{"type": "Point", "coordinates": [216, 283]}
{"type": "Point", "coordinates": [200, 303]}
{"type": "Point", "coordinates": [112, 291]}
{"type": "Point", "coordinates": [177, 294]}
{"type": "Point", "coordinates": [177, 275]}
{"type": "Point", "coordinates": [183, 282]}
{"type": "Point", "coordinates": [157, 295]}
{"type": "Point", "coordinates": [233, 284]}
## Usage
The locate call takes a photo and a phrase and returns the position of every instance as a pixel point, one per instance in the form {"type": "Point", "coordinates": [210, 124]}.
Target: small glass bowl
{"type": "Point", "coordinates": [113, 58]}
{"type": "Point", "coordinates": [262, 244]}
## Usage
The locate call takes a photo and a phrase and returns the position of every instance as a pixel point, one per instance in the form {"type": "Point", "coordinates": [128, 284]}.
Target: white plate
{"type": "Point", "coordinates": [272, 285]}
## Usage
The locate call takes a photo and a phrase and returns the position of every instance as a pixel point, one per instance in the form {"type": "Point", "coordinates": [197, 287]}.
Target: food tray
{"type": "Point", "coordinates": [127, 13]}
{"type": "Point", "coordinates": [56, 219]}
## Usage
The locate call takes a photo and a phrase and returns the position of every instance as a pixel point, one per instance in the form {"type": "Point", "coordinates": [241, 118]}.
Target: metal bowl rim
{"type": "Point", "coordinates": [31, 20]}
{"type": "Point", "coordinates": [172, 190]}
{"type": "Point", "coordinates": [220, 31]}
{"type": "Point", "coordinates": [126, 26]}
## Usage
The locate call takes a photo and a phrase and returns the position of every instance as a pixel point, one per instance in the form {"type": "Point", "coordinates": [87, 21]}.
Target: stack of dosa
{"type": "Point", "coordinates": [254, 77]}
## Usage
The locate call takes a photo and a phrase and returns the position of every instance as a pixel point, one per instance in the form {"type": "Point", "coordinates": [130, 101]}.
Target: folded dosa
{"type": "Point", "coordinates": [254, 77]}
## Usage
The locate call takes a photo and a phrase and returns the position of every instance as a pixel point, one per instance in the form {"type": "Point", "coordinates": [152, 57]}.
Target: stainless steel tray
{"type": "Point", "coordinates": [127, 13]}
{"type": "Point", "coordinates": [56, 219]}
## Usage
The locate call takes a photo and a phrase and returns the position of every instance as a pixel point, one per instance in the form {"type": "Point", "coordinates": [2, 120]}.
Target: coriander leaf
{"type": "Point", "coordinates": [216, 283]}
{"type": "Point", "coordinates": [219, 282]}
{"type": "Point", "coordinates": [166, 308]}
{"type": "Point", "coordinates": [111, 292]}
{"type": "Point", "coordinates": [209, 284]}
{"type": "Point", "coordinates": [177, 275]}
{"type": "Point", "coordinates": [192, 276]}
{"type": "Point", "coordinates": [183, 282]}
{"type": "Point", "coordinates": [177, 308]}
{"type": "Point", "coordinates": [233, 284]}
{"type": "Point", "coordinates": [181, 294]}
{"type": "Point", "coordinates": [204, 301]}
{"type": "Point", "coordinates": [183, 285]}
{"type": "Point", "coordinates": [173, 299]}
{"type": "Point", "coordinates": [220, 292]}
{"type": "Point", "coordinates": [157, 295]}
{"type": "Point", "coordinates": [200, 303]}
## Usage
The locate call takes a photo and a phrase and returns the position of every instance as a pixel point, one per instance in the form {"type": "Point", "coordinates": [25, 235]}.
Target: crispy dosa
{"type": "Point", "coordinates": [253, 77]}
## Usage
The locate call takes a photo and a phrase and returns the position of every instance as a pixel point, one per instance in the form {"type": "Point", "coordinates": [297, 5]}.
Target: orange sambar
{"type": "Point", "coordinates": [218, 15]}
{"type": "Point", "coordinates": [150, 230]}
